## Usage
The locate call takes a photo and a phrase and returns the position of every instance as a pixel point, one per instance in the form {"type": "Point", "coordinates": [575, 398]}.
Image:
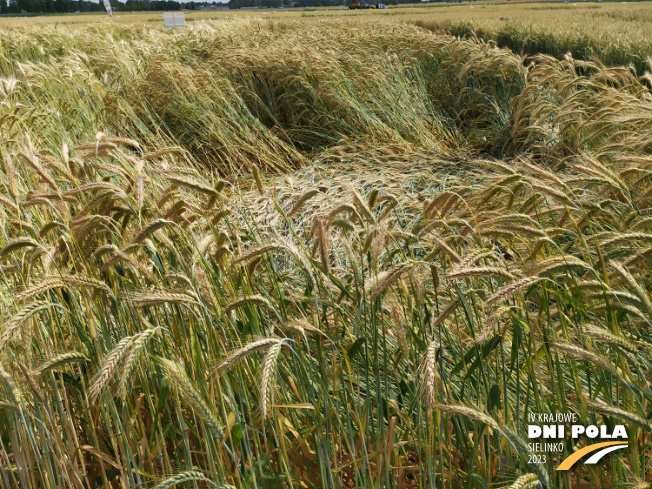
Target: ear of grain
{"type": "Point", "coordinates": [244, 352]}
{"type": "Point", "coordinates": [430, 379]}
{"type": "Point", "coordinates": [12, 326]}
{"type": "Point", "coordinates": [511, 289]}
{"type": "Point", "coordinates": [529, 481]}
{"type": "Point", "coordinates": [110, 367]}
{"type": "Point", "coordinates": [467, 412]}
{"type": "Point", "coordinates": [305, 197]}
{"type": "Point", "coordinates": [59, 360]}
{"type": "Point", "coordinates": [268, 378]}
{"type": "Point", "coordinates": [11, 387]}
{"type": "Point", "coordinates": [181, 478]}
{"type": "Point", "coordinates": [387, 278]}
{"type": "Point", "coordinates": [192, 396]}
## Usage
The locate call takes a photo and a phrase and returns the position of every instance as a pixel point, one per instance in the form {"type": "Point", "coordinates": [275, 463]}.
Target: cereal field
{"type": "Point", "coordinates": [324, 248]}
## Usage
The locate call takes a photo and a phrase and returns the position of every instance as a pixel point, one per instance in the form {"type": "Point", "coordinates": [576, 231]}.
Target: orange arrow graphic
{"type": "Point", "coordinates": [571, 459]}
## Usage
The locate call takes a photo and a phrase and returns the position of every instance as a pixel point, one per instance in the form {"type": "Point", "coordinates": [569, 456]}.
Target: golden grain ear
{"type": "Point", "coordinates": [10, 173]}
{"type": "Point", "coordinates": [301, 201]}
{"type": "Point", "coordinates": [257, 179]}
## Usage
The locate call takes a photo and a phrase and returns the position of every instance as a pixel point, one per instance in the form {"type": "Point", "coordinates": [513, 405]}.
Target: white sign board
{"type": "Point", "coordinates": [173, 19]}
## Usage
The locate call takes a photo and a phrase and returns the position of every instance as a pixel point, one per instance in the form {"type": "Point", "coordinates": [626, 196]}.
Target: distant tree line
{"type": "Point", "coordinates": [286, 3]}
{"type": "Point", "coordinates": [310, 3]}
{"type": "Point", "coordinates": [63, 6]}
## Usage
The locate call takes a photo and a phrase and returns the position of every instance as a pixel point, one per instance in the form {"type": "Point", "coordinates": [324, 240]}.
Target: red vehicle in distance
{"type": "Point", "coordinates": [360, 5]}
